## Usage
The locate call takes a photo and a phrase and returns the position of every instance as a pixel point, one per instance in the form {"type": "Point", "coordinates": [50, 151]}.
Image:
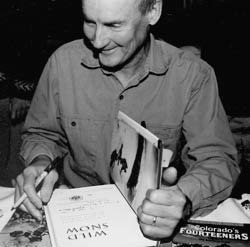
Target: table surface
{"type": "Point", "coordinates": [23, 230]}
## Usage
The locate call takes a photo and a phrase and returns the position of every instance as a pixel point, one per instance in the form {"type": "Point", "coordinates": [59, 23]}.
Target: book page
{"type": "Point", "coordinates": [93, 216]}
{"type": "Point", "coordinates": [7, 201]}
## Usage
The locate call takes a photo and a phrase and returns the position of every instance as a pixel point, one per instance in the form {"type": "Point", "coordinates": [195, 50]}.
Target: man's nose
{"type": "Point", "coordinates": [100, 38]}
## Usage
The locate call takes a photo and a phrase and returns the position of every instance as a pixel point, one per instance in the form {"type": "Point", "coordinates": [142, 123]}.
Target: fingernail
{"type": "Point", "coordinates": [38, 217]}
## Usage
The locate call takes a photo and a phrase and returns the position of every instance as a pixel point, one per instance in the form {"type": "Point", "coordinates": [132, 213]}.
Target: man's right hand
{"type": "Point", "coordinates": [25, 182]}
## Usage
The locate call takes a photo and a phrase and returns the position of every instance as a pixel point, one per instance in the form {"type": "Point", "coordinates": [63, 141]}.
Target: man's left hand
{"type": "Point", "coordinates": [162, 209]}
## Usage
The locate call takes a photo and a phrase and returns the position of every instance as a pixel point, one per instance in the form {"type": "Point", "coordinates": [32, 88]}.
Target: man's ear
{"type": "Point", "coordinates": [154, 13]}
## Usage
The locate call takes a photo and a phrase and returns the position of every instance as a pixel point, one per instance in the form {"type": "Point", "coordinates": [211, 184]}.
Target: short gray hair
{"type": "Point", "coordinates": [145, 5]}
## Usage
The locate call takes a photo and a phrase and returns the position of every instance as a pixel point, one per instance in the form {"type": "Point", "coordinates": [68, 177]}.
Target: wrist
{"type": "Point", "coordinates": [40, 160]}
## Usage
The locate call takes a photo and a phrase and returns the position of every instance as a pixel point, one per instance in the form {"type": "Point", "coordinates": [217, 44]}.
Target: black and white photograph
{"type": "Point", "coordinates": [178, 69]}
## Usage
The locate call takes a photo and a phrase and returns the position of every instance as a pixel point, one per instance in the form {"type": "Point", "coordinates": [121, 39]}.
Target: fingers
{"type": "Point", "coordinates": [169, 176]}
{"type": "Point", "coordinates": [28, 179]}
{"type": "Point", "coordinates": [18, 194]}
{"type": "Point", "coordinates": [155, 221]}
{"type": "Point", "coordinates": [155, 232]}
{"type": "Point", "coordinates": [161, 211]}
{"type": "Point", "coordinates": [166, 196]}
{"type": "Point", "coordinates": [48, 185]}
{"type": "Point", "coordinates": [171, 210]}
{"type": "Point", "coordinates": [155, 227]}
{"type": "Point", "coordinates": [32, 203]}
{"type": "Point", "coordinates": [25, 183]}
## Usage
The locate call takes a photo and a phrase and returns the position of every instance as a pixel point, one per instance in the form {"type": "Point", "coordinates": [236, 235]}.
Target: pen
{"type": "Point", "coordinates": [54, 164]}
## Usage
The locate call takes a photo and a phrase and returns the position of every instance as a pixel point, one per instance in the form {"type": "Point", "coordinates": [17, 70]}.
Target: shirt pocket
{"type": "Point", "coordinates": [170, 136]}
{"type": "Point", "coordinates": [88, 140]}
{"type": "Point", "coordinates": [80, 135]}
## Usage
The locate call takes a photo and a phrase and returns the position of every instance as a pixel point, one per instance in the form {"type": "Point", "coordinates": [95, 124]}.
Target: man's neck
{"type": "Point", "coordinates": [131, 69]}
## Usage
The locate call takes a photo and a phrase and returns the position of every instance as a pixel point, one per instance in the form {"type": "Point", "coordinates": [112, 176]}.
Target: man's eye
{"type": "Point", "coordinates": [89, 23]}
{"type": "Point", "coordinates": [117, 25]}
{"type": "Point", "coordinates": [114, 25]}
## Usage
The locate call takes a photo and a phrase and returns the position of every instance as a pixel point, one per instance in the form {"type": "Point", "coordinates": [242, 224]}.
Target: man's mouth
{"type": "Point", "coordinates": [108, 51]}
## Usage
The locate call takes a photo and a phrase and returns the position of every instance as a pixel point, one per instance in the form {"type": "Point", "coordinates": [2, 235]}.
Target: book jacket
{"type": "Point", "coordinates": [213, 234]}
{"type": "Point", "coordinates": [137, 159]}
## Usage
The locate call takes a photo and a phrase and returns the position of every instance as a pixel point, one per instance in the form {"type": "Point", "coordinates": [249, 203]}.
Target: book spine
{"type": "Point", "coordinates": [140, 129]}
{"type": "Point", "coordinates": [159, 161]}
{"type": "Point", "coordinates": [50, 228]}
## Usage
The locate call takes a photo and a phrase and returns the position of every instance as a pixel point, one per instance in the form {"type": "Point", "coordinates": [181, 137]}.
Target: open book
{"type": "Point", "coordinates": [105, 215]}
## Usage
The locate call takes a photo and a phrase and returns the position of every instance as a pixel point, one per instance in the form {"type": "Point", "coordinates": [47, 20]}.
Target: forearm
{"type": "Point", "coordinates": [208, 183]}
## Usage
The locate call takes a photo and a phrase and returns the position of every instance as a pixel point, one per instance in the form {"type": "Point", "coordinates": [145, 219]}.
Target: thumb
{"type": "Point", "coordinates": [48, 186]}
{"type": "Point", "coordinates": [169, 176]}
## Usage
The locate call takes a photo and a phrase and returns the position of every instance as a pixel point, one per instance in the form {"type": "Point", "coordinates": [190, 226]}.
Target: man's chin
{"type": "Point", "coordinates": [110, 65]}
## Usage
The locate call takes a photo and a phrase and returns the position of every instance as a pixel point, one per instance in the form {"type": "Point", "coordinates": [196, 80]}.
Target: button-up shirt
{"type": "Point", "coordinates": [76, 103]}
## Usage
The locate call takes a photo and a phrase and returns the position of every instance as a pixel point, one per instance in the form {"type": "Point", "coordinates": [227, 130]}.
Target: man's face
{"type": "Point", "coordinates": [116, 29]}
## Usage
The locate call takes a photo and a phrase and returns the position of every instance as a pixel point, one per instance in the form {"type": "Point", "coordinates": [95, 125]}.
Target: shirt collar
{"type": "Point", "coordinates": [157, 61]}
{"type": "Point", "coordinates": [88, 57]}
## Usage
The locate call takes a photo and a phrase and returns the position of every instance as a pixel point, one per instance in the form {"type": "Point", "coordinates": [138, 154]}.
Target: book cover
{"type": "Point", "coordinates": [137, 159]}
{"type": "Point", "coordinates": [93, 216]}
{"type": "Point", "coordinates": [18, 228]}
{"type": "Point", "coordinates": [23, 230]}
{"type": "Point", "coordinates": [213, 234]}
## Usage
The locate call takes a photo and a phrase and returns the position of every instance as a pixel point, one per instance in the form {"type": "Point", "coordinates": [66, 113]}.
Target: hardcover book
{"type": "Point", "coordinates": [105, 215]}
{"type": "Point", "coordinates": [93, 216]}
{"type": "Point", "coordinates": [137, 159]}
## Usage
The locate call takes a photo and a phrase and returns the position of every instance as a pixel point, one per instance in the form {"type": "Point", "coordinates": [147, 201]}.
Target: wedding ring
{"type": "Point", "coordinates": [154, 220]}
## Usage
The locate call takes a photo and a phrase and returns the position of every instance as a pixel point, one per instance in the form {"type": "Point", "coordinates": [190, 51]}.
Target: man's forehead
{"type": "Point", "coordinates": [110, 8]}
{"type": "Point", "coordinates": [113, 3]}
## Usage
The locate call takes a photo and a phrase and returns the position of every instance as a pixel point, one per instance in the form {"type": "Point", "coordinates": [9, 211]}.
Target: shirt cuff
{"type": "Point", "coordinates": [30, 153]}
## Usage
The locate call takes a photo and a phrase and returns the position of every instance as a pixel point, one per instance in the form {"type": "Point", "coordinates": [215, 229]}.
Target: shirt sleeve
{"type": "Point", "coordinates": [209, 154]}
{"type": "Point", "coordinates": [42, 134]}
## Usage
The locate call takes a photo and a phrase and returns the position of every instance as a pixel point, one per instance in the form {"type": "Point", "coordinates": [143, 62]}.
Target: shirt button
{"type": "Point", "coordinates": [73, 123]}
{"type": "Point", "coordinates": [121, 97]}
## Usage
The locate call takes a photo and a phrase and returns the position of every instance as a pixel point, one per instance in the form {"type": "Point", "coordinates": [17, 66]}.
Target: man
{"type": "Point", "coordinates": [120, 66]}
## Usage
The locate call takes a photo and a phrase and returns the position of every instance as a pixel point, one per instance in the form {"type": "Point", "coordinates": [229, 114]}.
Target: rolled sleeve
{"type": "Point", "coordinates": [30, 151]}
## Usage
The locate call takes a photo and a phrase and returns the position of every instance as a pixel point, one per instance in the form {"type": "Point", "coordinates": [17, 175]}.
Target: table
{"type": "Point", "coordinates": [23, 230]}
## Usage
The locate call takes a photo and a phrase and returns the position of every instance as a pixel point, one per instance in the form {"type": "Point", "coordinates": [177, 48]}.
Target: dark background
{"type": "Point", "coordinates": [32, 29]}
